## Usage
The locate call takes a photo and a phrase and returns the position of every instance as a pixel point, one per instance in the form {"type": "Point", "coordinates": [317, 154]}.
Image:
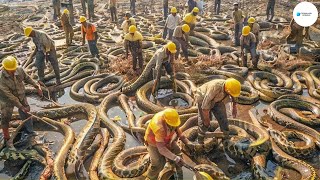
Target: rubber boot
{"type": "Point", "coordinates": [8, 142]}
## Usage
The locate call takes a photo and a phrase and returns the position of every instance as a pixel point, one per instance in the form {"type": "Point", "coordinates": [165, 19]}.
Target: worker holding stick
{"type": "Point", "coordinates": [12, 94]}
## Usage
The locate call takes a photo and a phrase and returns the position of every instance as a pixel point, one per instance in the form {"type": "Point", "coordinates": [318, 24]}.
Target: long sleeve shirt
{"type": "Point", "coordinates": [210, 93]}
{"type": "Point", "coordinates": [173, 21]}
{"type": "Point", "coordinates": [237, 16]}
{"type": "Point", "coordinates": [12, 89]}
{"type": "Point", "coordinates": [178, 33]}
{"type": "Point", "coordinates": [161, 56]}
{"type": "Point", "coordinates": [248, 41]}
{"type": "Point", "coordinates": [42, 41]}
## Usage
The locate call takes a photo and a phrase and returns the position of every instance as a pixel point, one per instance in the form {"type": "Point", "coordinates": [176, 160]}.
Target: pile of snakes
{"type": "Point", "coordinates": [288, 135]}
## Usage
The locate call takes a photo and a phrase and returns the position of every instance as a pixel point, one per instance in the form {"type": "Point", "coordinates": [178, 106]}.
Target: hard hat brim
{"type": "Point", "coordinates": [245, 34]}
{"type": "Point", "coordinates": [173, 52]}
{"type": "Point", "coordinates": [235, 94]}
{"type": "Point", "coordinates": [176, 124]}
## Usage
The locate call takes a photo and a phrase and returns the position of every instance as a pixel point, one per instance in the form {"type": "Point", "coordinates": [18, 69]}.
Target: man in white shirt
{"type": "Point", "coordinates": [171, 23]}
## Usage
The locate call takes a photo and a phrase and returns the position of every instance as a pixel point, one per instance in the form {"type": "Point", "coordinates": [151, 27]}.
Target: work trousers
{"type": "Point", "coordinates": [56, 9]}
{"type": "Point", "coordinates": [237, 30]}
{"type": "Point", "coordinates": [220, 113]}
{"type": "Point", "coordinates": [270, 11]}
{"type": "Point", "coordinates": [40, 64]}
{"type": "Point", "coordinates": [93, 48]}
{"type": "Point", "coordinates": [69, 34]}
{"type": "Point", "coordinates": [133, 7]}
{"type": "Point", "coordinates": [180, 44]}
{"type": "Point", "coordinates": [136, 55]}
{"type": "Point", "coordinates": [158, 161]}
{"type": "Point", "coordinates": [169, 33]}
{"type": "Point", "coordinates": [252, 50]}
{"type": "Point", "coordinates": [217, 5]}
{"type": "Point", "coordinates": [83, 5]}
{"type": "Point", "coordinates": [6, 115]}
{"type": "Point", "coordinates": [90, 8]}
{"type": "Point", "coordinates": [113, 11]}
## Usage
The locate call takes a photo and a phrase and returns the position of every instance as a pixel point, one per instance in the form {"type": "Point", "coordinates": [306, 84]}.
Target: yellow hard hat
{"type": "Point", "coordinates": [246, 30]}
{"type": "Point", "coordinates": [185, 28]}
{"type": "Point", "coordinates": [27, 31]}
{"type": "Point", "coordinates": [187, 18]}
{"type": "Point", "coordinates": [132, 29]}
{"type": "Point", "coordinates": [251, 20]}
{"type": "Point", "coordinates": [83, 19]}
{"type": "Point", "coordinates": [10, 63]}
{"type": "Point", "coordinates": [173, 10]}
{"type": "Point", "coordinates": [195, 9]}
{"type": "Point", "coordinates": [65, 11]}
{"type": "Point", "coordinates": [172, 117]}
{"type": "Point", "coordinates": [172, 47]}
{"type": "Point", "coordinates": [233, 87]}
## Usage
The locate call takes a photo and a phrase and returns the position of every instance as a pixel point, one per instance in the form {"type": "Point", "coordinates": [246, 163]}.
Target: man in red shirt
{"type": "Point", "coordinates": [90, 34]}
{"type": "Point", "coordinates": [158, 138]}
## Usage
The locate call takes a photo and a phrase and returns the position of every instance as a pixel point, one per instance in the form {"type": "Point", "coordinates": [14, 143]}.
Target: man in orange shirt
{"type": "Point", "coordinates": [90, 34]}
{"type": "Point", "coordinates": [158, 138]}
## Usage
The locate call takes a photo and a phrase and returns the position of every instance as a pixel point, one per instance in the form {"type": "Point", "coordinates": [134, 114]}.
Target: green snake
{"type": "Point", "coordinates": [307, 113]}
{"type": "Point", "coordinates": [281, 139]}
{"type": "Point", "coordinates": [248, 95]}
{"type": "Point", "coordinates": [307, 172]}
{"type": "Point", "coordinates": [124, 167]}
{"type": "Point", "coordinates": [240, 148]}
{"type": "Point", "coordinates": [74, 91]}
{"type": "Point", "coordinates": [119, 138]}
{"type": "Point", "coordinates": [268, 85]}
{"type": "Point", "coordinates": [308, 81]}
{"type": "Point", "coordinates": [150, 107]}
{"type": "Point", "coordinates": [86, 136]}
{"type": "Point", "coordinates": [288, 121]}
{"type": "Point", "coordinates": [97, 155]}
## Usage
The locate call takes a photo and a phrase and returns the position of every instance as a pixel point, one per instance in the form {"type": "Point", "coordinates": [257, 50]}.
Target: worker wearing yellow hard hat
{"type": "Point", "coordinates": [12, 94]}
{"type": "Point", "coordinates": [248, 45]}
{"type": "Point", "coordinates": [210, 97]}
{"type": "Point", "coordinates": [237, 16]}
{"type": "Point", "coordinates": [164, 57]}
{"type": "Point", "coordinates": [89, 33]}
{"type": "Point", "coordinates": [173, 20]}
{"type": "Point", "coordinates": [160, 131]}
{"type": "Point", "coordinates": [191, 19]}
{"type": "Point", "coordinates": [180, 38]}
{"type": "Point", "coordinates": [45, 51]}
{"type": "Point", "coordinates": [133, 42]}
{"type": "Point", "coordinates": [67, 27]}
{"type": "Point", "coordinates": [255, 28]}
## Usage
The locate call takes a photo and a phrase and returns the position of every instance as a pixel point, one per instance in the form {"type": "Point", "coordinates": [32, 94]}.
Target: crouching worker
{"type": "Point", "coordinates": [164, 57]}
{"type": "Point", "coordinates": [160, 131]}
{"type": "Point", "coordinates": [210, 98]}
{"type": "Point", "coordinates": [12, 94]}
